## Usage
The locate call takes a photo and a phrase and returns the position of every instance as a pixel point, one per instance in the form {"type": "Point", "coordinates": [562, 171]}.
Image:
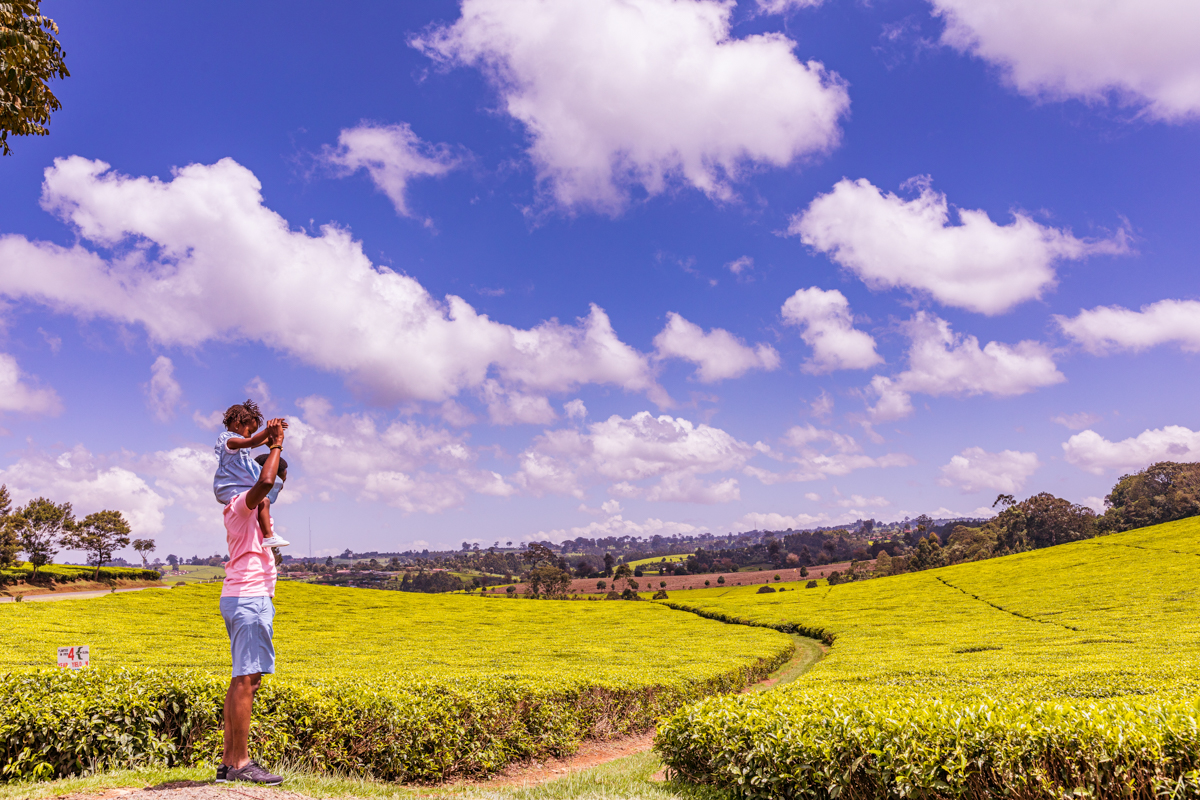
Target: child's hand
{"type": "Point", "coordinates": [275, 432]}
{"type": "Point", "coordinates": [280, 421]}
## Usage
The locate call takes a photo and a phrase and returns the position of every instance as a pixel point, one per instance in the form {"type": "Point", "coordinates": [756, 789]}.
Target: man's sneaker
{"type": "Point", "coordinates": [253, 773]}
{"type": "Point", "coordinates": [222, 773]}
{"type": "Point", "coordinates": [275, 541]}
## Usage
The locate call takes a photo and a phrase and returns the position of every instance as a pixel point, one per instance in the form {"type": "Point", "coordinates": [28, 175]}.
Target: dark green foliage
{"type": "Point", "coordinates": [10, 537]}
{"type": "Point", "coordinates": [430, 582]}
{"type": "Point", "coordinates": [143, 547]}
{"type": "Point", "coordinates": [99, 535]}
{"type": "Point", "coordinates": [548, 581]}
{"type": "Point", "coordinates": [765, 589]}
{"type": "Point", "coordinates": [40, 523]}
{"type": "Point", "coordinates": [30, 56]}
{"type": "Point", "coordinates": [810, 585]}
{"type": "Point", "coordinates": [1162, 492]}
{"type": "Point", "coordinates": [834, 578]}
{"type": "Point", "coordinates": [661, 594]}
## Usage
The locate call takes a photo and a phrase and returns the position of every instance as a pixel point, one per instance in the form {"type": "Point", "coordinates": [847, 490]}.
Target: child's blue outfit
{"type": "Point", "coordinates": [237, 470]}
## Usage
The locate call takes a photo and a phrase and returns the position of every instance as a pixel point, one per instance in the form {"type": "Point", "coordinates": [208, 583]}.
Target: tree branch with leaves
{"type": "Point", "coordinates": [30, 56]}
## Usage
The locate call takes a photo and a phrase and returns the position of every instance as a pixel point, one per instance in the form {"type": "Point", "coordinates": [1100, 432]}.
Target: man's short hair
{"type": "Point", "coordinates": [262, 462]}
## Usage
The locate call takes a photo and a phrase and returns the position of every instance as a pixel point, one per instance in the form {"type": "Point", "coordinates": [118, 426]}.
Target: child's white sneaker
{"type": "Point", "coordinates": [275, 541]}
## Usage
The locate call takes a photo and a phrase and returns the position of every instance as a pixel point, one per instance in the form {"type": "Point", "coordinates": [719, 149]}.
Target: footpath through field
{"type": "Point", "coordinates": [69, 595]}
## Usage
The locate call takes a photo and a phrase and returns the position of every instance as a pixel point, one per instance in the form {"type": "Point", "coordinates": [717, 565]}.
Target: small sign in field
{"type": "Point", "coordinates": [76, 657]}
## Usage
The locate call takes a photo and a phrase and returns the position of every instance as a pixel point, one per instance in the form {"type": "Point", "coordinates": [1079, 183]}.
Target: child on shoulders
{"type": "Point", "coordinates": [237, 470]}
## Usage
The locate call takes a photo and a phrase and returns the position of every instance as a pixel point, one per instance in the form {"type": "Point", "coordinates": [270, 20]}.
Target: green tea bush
{"type": "Point", "coordinates": [69, 573]}
{"type": "Point", "coordinates": [1048, 674]}
{"type": "Point", "coordinates": [393, 685]}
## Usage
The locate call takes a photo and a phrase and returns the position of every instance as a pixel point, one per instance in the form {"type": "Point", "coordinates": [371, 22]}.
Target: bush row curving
{"type": "Point", "coordinates": [823, 635]}
{"type": "Point", "coordinates": [802, 744]}
{"type": "Point", "coordinates": [58, 724]}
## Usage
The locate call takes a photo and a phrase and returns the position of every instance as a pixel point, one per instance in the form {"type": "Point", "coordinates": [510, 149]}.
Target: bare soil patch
{"type": "Point", "coordinates": [22, 589]}
{"type": "Point", "coordinates": [192, 790]}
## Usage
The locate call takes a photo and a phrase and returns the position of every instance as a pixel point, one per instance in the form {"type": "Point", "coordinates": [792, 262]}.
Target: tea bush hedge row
{"type": "Point", "coordinates": [68, 573]}
{"type": "Point", "coordinates": [1069, 671]}
{"type": "Point", "coordinates": [385, 684]}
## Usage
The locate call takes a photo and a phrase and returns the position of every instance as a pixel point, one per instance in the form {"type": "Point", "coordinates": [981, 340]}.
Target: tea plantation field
{"type": "Point", "coordinates": [394, 685]}
{"type": "Point", "coordinates": [1070, 671]}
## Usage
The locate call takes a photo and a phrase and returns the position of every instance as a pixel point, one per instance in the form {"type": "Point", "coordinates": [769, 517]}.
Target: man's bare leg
{"type": "Point", "coordinates": [239, 702]}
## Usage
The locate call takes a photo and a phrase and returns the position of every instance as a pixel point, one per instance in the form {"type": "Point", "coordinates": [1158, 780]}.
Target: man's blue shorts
{"type": "Point", "coordinates": [249, 621]}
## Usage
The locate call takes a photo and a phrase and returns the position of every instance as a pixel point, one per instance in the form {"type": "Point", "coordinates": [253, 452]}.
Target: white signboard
{"type": "Point", "coordinates": [73, 657]}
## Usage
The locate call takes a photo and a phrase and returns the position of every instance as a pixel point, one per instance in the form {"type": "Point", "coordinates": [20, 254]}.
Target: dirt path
{"type": "Point", "coordinates": [192, 790]}
{"type": "Point", "coordinates": [69, 595]}
{"type": "Point", "coordinates": [592, 754]}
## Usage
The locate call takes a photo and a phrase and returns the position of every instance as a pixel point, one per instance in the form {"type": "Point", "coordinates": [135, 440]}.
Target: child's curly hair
{"type": "Point", "coordinates": [243, 413]}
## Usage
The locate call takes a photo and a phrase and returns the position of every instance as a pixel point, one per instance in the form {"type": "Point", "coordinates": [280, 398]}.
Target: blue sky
{"type": "Point", "coordinates": [528, 269]}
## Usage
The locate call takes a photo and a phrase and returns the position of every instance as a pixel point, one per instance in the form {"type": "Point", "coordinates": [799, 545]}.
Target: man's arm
{"type": "Point", "coordinates": [240, 442]}
{"type": "Point", "coordinates": [266, 478]}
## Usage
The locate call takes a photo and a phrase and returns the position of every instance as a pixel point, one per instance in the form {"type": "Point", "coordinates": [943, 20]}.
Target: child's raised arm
{"type": "Point", "coordinates": [239, 442]}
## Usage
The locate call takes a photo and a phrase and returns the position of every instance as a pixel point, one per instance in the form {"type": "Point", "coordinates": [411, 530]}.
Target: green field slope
{"type": "Point", "coordinates": [1071, 668]}
{"type": "Point", "coordinates": [391, 684]}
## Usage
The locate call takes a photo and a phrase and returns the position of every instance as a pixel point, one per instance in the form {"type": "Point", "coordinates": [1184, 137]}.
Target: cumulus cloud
{"type": "Point", "coordinates": [615, 525]}
{"type": "Point", "coordinates": [623, 93]}
{"type": "Point", "coordinates": [775, 521]}
{"type": "Point", "coordinates": [508, 407]}
{"type": "Point", "coordinates": [741, 267]}
{"type": "Point", "coordinates": [90, 484]}
{"type": "Point", "coordinates": [179, 246]}
{"type": "Point", "coordinates": [818, 453]}
{"type": "Point", "coordinates": [718, 354]}
{"type": "Point", "coordinates": [942, 362]}
{"type": "Point", "coordinates": [785, 6]}
{"type": "Point", "coordinates": [392, 155]}
{"type": "Point", "coordinates": [974, 469]}
{"type": "Point", "coordinates": [978, 265]}
{"type": "Point", "coordinates": [1108, 328]}
{"type": "Point", "coordinates": [1090, 451]}
{"type": "Point", "coordinates": [628, 452]}
{"type": "Point", "coordinates": [404, 464]}
{"type": "Point", "coordinates": [1142, 52]}
{"type": "Point", "coordinates": [1076, 422]}
{"type": "Point", "coordinates": [163, 392]}
{"type": "Point", "coordinates": [19, 395]}
{"type": "Point", "coordinates": [829, 330]}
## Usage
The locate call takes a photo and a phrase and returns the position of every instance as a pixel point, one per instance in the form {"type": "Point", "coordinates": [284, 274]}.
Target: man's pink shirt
{"type": "Point", "coordinates": [250, 571]}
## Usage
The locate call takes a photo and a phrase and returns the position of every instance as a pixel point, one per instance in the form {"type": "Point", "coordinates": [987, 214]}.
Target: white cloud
{"type": "Point", "coordinates": [209, 422]}
{"type": "Point", "coordinates": [941, 362]}
{"type": "Point", "coordinates": [1076, 422]}
{"type": "Point", "coordinates": [328, 305]}
{"type": "Point", "coordinates": [622, 93]}
{"type": "Point", "coordinates": [575, 409]}
{"type": "Point", "coordinates": [392, 155]}
{"type": "Point", "coordinates": [1092, 452]}
{"type": "Point", "coordinates": [718, 353]}
{"type": "Point", "coordinates": [90, 485]}
{"type": "Point", "coordinates": [1143, 52]}
{"type": "Point", "coordinates": [977, 265]}
{"type": "Point", "coordinates": [507, 407]}
{"type": "Point", "coordinates": [163, 392]}
{"type": "Point", "coordinates": [741, 266]}
{"type": "Point", "coordinates": [407, 465]}
{"type": "Point", "coordinates": [184, 475]}
{"type": "Point", "coordinates": [18, 395]}
{"type": "Point", "coordinates": [615, 525]}
{"type": "Point", "coordinates": [774, 521]}
{"type": "Point", "coordinates": [840, 456]}
{"type": "Point", "coordinates": [858, 502]}
{"type": "Point", "coordinates": [974, 469]}
{"type": "Point", "coordinates": [1106, 328]}
{"type": "Point", "coordinates": [785, 6]}
{"type": "Point", "coordinates": [829, 330]}
{"type": "Point", "coordinates": [624, 452]}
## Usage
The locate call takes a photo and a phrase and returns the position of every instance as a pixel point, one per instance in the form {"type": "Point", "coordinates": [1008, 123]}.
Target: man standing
{"type": "Point", "coordinates": [249, 615]}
